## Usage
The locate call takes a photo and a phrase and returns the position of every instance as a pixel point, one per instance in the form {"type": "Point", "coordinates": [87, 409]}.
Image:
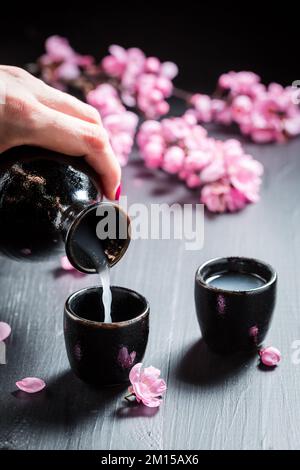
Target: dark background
{"type": "Point", "coordinates": [212, 402]}
{"type": "Point", "coordinates": [203, 38]}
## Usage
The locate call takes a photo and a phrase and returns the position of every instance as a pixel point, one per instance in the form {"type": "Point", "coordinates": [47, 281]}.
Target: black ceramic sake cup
{"type": "Point", "coordinates": [102, 354]}
{"type": "Point", "coordinates": [234, 320]}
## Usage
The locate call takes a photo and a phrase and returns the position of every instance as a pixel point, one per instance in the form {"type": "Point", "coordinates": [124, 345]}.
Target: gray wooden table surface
{"type": "Point", "coordinates": [211, 403]}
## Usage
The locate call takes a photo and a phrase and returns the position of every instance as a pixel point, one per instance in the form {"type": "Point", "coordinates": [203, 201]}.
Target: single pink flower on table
{"type": "Point", "coordinates": [5, 330]}
{"type": "Point", "coordinates": [31, 385]}
{"type": "Point", "coordinates": [270, 356]}
{"type": "Point", "coordinates": [146, 385]}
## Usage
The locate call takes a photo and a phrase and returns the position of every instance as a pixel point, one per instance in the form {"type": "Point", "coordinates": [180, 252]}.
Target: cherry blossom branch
{"type": "Point", "coordinates": [226, 176]}
{"type": "Point", "coordinates": [182, 94]}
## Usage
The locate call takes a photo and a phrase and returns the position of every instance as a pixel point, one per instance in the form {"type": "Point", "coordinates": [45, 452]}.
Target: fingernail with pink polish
{"type": "Point", "coordinates": [118, 192]}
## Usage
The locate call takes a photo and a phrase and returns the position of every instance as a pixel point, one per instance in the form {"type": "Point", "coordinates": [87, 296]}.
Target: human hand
{"type": "Point", "coordinates": [33, 113]}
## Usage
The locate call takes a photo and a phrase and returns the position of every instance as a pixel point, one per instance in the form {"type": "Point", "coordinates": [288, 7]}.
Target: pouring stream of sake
{"type": "Point", "coordinates": [91, 246]}
{"type": "Point", "coordinates": [106, 293]}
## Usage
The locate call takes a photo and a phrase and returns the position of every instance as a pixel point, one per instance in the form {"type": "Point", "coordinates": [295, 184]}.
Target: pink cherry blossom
{"type": "Point", "coordinates": [121, 130]}
{"type": "Point", "coordinates": [203, 107]}
{"type": "Point", "coordinates": [227, 177]}
{"type": "Point", "coordinates": [153, 152]}
{"type": "Point", "coordinates": [241, 107]}
{"type": "Point", "coordinates": [106, 100]}
{"type": "Point", "coordinates": [192, 180]}
{"type": "Point", "coordinates": [173, 159]}
{"type": "Point", "coordinates": [61, 63]}
{"type": "Point", "coordinates": [196, 160]}
{"type": "Point", "coordinates": [235, 200]}
{"type": "Point", "coordinates": [152, 65]}
{"type": "Point", "coordinates": [5, 330]}
{"type": "Point", "coordinates": [31, 385]}
{"type": "Point", "coordinates": [239, 83]}
{"type": "Point", "coordinates": [245, 176]}
{"type": "Point", "coordinates": [270, 356]}
{"type": "Point", "coordinates": [164, 85]}
{"type": "Point", "coordinates": [219, 197]}
{"type": "Point", "coordinates": [169, 70]}
{"type": "Point", "coordinates": [67, 71]}
{"type": "Point", "coordinates": [214, 171]}
{"type": "Point", "coordinates": [146, 385]}
{"type": "Point", "coordinates": [264, 114]}
{"type": "Point", "coordinates": [115, 63]}
{"type": "Point", "coordinates": [292, 125]}
{"type": "Point", "coordinates": [59, 49]}
{"type": "Point", "coordinates": [119, 123]}
{"type": "Point", "coordinates": [145, 82]}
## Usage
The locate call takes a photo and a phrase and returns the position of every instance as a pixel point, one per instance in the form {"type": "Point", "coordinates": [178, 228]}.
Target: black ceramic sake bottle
{"type": "Point", "coordinates": [48, 202]}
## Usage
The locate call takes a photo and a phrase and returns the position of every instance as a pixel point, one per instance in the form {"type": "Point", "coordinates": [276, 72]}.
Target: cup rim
{"type": "Point", "coordinates": [199, 277]}
{"type": "Point", "coordinates": [74, 225]}
{"type": "Point", "coordinates": [120, 324]}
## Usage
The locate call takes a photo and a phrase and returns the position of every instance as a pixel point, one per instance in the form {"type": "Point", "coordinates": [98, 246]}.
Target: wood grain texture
{"type": "Point", "coordinates": [211, 403]}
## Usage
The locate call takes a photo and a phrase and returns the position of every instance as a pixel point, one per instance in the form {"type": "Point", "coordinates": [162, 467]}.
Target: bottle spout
{"type": "Point", "coordinates": [98, 235]}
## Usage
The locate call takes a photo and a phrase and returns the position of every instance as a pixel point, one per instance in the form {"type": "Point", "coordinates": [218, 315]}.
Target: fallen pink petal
{"type": "Point", "coordinates": [270, 356]}
{"type": "Point", "coordinates": [5, 330]}
{"type": "Point", "coordinates": [31, 385]}
{"type": "Point", "coordinates": [146, 385]}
